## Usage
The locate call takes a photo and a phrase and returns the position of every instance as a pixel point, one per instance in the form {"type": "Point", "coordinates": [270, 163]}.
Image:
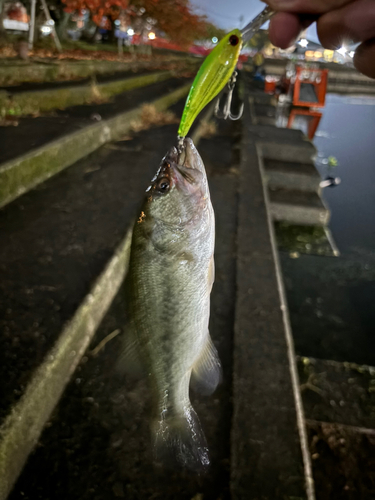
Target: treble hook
{"type": "Point", "coordinates": [228, 103]}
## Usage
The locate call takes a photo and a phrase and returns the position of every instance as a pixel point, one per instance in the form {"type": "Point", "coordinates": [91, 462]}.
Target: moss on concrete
{"type": "Point", "coordinates": [14, 72]}
{"type": "Point", "coordinates": [36, 102]}
{"type": "Point", "coordinates": [21, 174]}
{"type": "Point", "coordinates": [315, 240]}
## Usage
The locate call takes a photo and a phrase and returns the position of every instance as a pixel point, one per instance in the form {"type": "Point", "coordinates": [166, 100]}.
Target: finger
{"type": "Point", "coordinates": [284, 28]}
{"type": "Point", "coordinates": [307, 6]}
{"type": "Point", "coordinates": [353, 23]}
{"type": "Point", "coordinates": [364, 59]}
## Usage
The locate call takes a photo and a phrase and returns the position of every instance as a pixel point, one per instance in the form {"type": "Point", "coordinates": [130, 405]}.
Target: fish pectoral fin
{"type": "Point", "coordinates": [207, 373]}
{"type": "Point", "coordinates": [129, 361]}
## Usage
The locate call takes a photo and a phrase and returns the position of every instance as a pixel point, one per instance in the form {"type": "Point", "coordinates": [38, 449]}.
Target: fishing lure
{"type": "Point", "coordinates": [216, 70]}
{"type": "Point", "coordinates": [211, 78]}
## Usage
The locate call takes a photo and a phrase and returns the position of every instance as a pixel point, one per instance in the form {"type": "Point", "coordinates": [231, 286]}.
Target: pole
{"type": "Point", "coordinates": [32, 24]}
{"type": "Point", "coordinates": [120, 46]}
{"type": "Point", "coordinates": [54, 34]}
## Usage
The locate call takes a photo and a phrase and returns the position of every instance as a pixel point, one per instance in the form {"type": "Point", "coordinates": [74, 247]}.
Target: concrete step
{"type": "Point", "coordinates": [100, 429]}
{"type": "Point", "coordinates": [14, 72]}
{"type": "Point", "coordinates": [40, 147]}
{"type": "Point", "coordinates": [291, 175]}
{"type": "Point", "coordinates": [304, 208]}
{"type": "Point", "coordinates": [288, 165]}
{"type": "Point", "coordinates": [282, 144]}
{"type": "Point", "coordinates": [21, 101]}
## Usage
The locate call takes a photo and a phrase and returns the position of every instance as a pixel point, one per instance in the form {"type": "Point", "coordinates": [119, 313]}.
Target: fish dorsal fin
{"type": "Point", "coordinates": [206, 374]}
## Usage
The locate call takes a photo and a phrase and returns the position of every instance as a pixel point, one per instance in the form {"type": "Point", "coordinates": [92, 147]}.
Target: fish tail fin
{"type": "Point", "coordinates": [179, 440]}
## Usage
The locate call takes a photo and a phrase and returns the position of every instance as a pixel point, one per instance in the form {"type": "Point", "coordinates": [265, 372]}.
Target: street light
{"type": "Point", "coordinates": [130, 32]}
{"type": "Point", "coordinates": [215, 39]}
{"type": "Point", "coordinates": [303, 43]}
{"type": "Point", "coordinates": [151, 35]}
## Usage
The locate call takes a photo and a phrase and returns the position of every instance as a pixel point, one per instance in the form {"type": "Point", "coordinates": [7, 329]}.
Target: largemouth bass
{"type": "Point", "coordinates": [169, 283]}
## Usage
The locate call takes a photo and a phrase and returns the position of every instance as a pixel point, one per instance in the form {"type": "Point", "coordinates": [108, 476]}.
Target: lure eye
{"type": "Point", "coordinates": [233, 40]}
{"type": "Point", "coordinates": [163, 185]}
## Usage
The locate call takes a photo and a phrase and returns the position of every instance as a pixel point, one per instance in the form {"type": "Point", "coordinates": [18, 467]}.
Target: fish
{"type": "Point", "coordinates": [168, 287]}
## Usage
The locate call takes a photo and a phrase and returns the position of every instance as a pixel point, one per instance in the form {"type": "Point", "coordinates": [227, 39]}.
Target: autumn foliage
{"type": "Point", "coordinates": [173, 17]}
{"type": "Point", "coordinates": [97, 8]}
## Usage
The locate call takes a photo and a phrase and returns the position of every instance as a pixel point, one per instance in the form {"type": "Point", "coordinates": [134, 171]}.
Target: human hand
{"type": "Point", "coordinates": [338, 21]}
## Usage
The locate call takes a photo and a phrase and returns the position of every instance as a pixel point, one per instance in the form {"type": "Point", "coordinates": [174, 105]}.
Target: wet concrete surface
{"type": "Point", "coordinates": [97, 444]}
{"type": "Point", "coordinates": [32, 133]}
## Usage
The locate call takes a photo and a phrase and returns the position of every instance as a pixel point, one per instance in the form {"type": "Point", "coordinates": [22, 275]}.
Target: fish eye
{"type": "Point", "coordinates": [233, 40]}
{"type": "Point", "coordinates": [163, 185]}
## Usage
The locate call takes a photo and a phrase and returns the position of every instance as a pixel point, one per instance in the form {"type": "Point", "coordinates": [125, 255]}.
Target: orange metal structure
{"type": "Point", "coordinates": [313, 123]}
{"type": "Point", "coordinates": [317, 79]}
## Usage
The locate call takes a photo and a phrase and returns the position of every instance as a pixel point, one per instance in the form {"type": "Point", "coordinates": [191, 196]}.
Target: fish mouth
{"type": "Point", "coordinates": [189, 156]}
{"type": "Point", "coordinates": [184, 168]}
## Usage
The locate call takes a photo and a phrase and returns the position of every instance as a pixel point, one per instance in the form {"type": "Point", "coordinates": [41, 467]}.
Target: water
{"type": "Point", "coordinates": [331, 298]}
{"type": "Point", "coordinates": [347, 132]}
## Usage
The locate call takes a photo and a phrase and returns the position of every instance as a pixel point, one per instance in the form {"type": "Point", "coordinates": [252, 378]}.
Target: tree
{"type": "Point", "coordinates": [98, 8]}
{"type": "Point", "coordinates": [173, 17]}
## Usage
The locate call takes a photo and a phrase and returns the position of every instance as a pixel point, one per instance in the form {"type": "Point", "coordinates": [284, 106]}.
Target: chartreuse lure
{"type": "Point", "coordinates": [216, 71]}
{"type": "Point", "coordinates": [211, 78]}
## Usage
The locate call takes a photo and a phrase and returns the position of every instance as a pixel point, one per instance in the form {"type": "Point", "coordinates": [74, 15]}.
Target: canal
{"type": "Point", "coordinates": [331, 299]}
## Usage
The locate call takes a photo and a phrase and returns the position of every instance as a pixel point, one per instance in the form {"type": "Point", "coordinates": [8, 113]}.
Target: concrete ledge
{"type": "Point", "coordinates": [23, 173]}
{"type": "Point", "coordinates": [269, 454]}
{"type": "Point", "coordinates": [14, 72]}
{"type": "Point", "coordinates": [21, 429]}
{"type": "Point", "coordinates": [292, 175]}
{"type": "Point", "coordinates": [298, 207]}
{"type": "Point", "coordinates": [281, 144]}
{"type": "Point", "coordinates": [33, 102]}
